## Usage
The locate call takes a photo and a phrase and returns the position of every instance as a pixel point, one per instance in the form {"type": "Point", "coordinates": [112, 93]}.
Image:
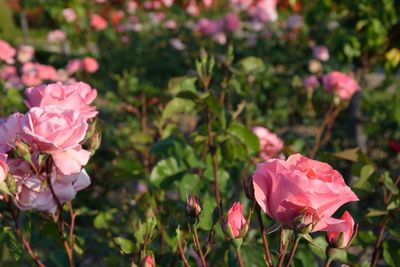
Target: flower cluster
{"type": "Point", "coordinates": [41, 152]}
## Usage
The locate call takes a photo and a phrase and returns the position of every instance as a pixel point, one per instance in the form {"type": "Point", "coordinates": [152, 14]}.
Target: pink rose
{"type": "Point", "coordinates": [7, 52]}
{"type": "Point", "coordinates": [171, 24]}
{"type": "Point", "coordinates": [69, 14]}
{"type": "Point", "coordinates": [46, 72]}
{"type": "Point", "coordinates": [10, 128]}
{"type": "Point", "coordinates": [264, 10]}
{"type": "Point", "coordinates": [207, 3]}
{"type": "Point", "coordinates": [10, 76]}
{"type": "Point", "coordinates": [98, 22]}
{"type": "Point", "coordinates": [192, 8]}
{"type": "Point", "coordinates": [3, 167]}
{"type": "Point", "coordinates": [90, 64]}
{"type": "Point", "coordinates": [56, 36]}
{"type": "Point", "coordinates": [209, 27]}
{"type": "Point", "coordinates": [33, 192]}
{"type": "Point", "coordinates": [270, 143]}
{"type": "Point", "coordinates": [236, 225]}
{"type": "Point", "coordinates": [232, 21]}
{"type": "Point", "coordinates": [168, 3]}
{"type": "Point", "coordinates": [77, 96]}
{"type": "Point", "coordinates": [241, 4]}
{"type": "Point", "coordinates": [300, 186]}
{"type": "Point", "coordinates": [321, 52]}
{"type": "Point", "coordinates": [74, 65]}
{"type": "Point", "coordinates": [310, 83]}
{"type": "Point", "coordinates": [25, 53]}
{"type": "Point", "coordinates": [340, 83]}
{"type": "Point", "coordinates": [148, 261]}
{"type": "Point", "coordinates": [340, 232]}
{"type": "Point", "coordinates": [58, 132]}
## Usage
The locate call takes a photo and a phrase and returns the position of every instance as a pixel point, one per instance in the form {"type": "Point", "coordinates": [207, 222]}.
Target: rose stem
{"type": "Point", "coordinates": [239, 257]}
{"type": "Point", "coordinates": [264, 237]}
{"type": "Point", "coordinates": [293, 251]}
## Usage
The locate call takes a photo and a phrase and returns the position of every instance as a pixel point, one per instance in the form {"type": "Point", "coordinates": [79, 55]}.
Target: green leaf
{"type": "Point", "coordinates": [366, 172]}
{"type": "Point", "coordinates": [164, 169]}
{"type": "Point", "coordinates": [375, 212]}
{"type": "Point", "coordinates": [125, 244]}
{"type": "Point", "coordinates": [179, 84]}
{"type": "Point", "coordinates": [246, 137]}
{"type": "Point", "coordinates": [348, 154]}
{"type": "Point", "coordinates": [250, 65]}
{"type": "Point", "coordinates": [178, 106]}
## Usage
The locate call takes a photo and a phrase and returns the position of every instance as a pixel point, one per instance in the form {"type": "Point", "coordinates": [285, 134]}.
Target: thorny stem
{"type": "Point", "coordinates": [239, 257]}
{"type": "Point", "coordinates": [293, 251]}
{"type": "Point", "coordinates": [181, 252]}
{"type": "Point", "coordinates": [282, 249]}
{"type": "Point", "coordinates": [268, 258]}
{"type": "Point", "coordinates": [25, 242]}
{"type": "Point", "coordinates": [198, 246]}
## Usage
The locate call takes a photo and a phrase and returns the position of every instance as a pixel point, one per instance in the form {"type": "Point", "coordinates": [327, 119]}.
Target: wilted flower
{"type": "Point", "coordinates": [193, 207]}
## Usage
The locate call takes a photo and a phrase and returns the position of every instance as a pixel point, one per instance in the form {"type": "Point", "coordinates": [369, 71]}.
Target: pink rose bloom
{"type": "Point", "coordinates": [168, 3]}
{"type": "Point", "coordinates": [33, 193]}
{"type": "Point", "coordinates": [220, 37]}
{"type": "Point", "coordinates": [270, 143]}
{"type": "Point", "coordinates": [46, 72]}
{"type": "Point", "coordinates": [341, 84]}
{"type": "Point", "coordinates": [25, 53]}
{"type": "Point", "coordinates": [90, 64]}
{"type": "Point", "coordinates": [209, 27]}
{"type": "Point", "coordinates": [98, 22]}
{"type": "Point", "coordinates": [232, 21]}
{"type": "Point", "coordinates": [3, 167]}
{"type": "Point", "coordinates": [235, 222]}
{"type": "Point", "coordinates": [241, 4]}
{"type": "Point", "coordinates": [264, 10]}
{"type": "Point", "coordinates": [58, 132]}
{"type": "Point", "coordinates": [171, 24]}
{"type": "Point", "coordinates": [69, 14]}
{"type": "Point", "coordinates": [131, 6]}
{"type": "Point", "coordinates": [56, 36]}
{"type": "Point", "coordinates": [207, 3]}
{"type": "Point", "coordinates": [7, 52]}
{"type": "Point", "coordinates": [192, 8]}
{"type": "Point", "coordinates": [10, 128]}
{"type": "Point", "coordinates": [74, 65]}
{"type": "Point", "coordinates": [10, 76]}
{"type": "Point", "coordinates": [177, 44]}
{"type": "Point", "coordinates": [148, 261]}
{"type": "Point", "coordinates": [321, 52]}
{"type": "Point", "coordinates": [340, 232]}
{"type": "Point", "coordinates": [77, 96]}
{"type": "Point", "coordinates": [300, 186]}
{"type": "Point", "coordinates": [310, 83]}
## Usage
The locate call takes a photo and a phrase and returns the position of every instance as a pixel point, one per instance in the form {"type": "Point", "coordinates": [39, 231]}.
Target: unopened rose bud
{"type": "Point", "coordinates": [148, 261]}
{"type": "Point", "coordinates": [22, 150]}
{"type": "Point", "coordinates": [236, 225]}
{"type": "Point", "coordinates": [340, 232]}
{"type": "Point", "coordinates": [94, 142]}
{"type": "Point", "coordinates": [305, 223]}
{"type": "Point", "coordinates": [92, 129]}
{"type": "Point", "coordinates": [193, 207]}
{"type": "Point", "coordinates": [248, 187]}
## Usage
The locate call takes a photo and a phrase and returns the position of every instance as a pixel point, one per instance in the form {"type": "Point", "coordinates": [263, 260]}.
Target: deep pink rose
{"type": "Point", "coordinates": [76, 96]}
{"type": "Point", "coordinates": [69, 14]}
{"type": "Point", "coordinates": [90, 64]}
{"type": "Point", "coordinates": [340, 83]}
{"type": "Point", "coordinates": [25, 53]}
{"type": "Point", "coordinates": [98, 22]}
{"type": "Point", "coordinates": [7, 52]}
{"type": "Point", "coordinates": [340, 232]}
{"type": "Point", "coordinates": [235, 222]}
{"type": "Point", "coordinates": [300, 186]}
{"type": "Point", "coordinates": [3, 167]}
{"type": "Point", "coordinates": [58, 132]}
{"type": "Point", "coordinates": [33, 193]}
{"type": "Point", "coordinates": [148, 261]}
{"type": "Point", "coordinates": [310, 83]}
{"type": "Point", "coordinates": [270, 143]}
{"type": "Point", "coordinates": [232, 21]}
{"type": "Point", "coordinates": [10, 128]}
{"type": "Point", "coordinates": [321, 52]}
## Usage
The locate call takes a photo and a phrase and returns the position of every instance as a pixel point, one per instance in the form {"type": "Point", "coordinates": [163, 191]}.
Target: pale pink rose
{"type": "Point", "coordinates": [69, 14]}
{"type": "Point", "coordinates": [264, 10]}
{"type": "Point", "coordinates": [148, 261]}
{"type": "Point", "coordinates": [7, 52]}
{"type": "Point", "coordinates": [10, 129]}
{"type": "Point", "coordinates": [58, 132]}
{"type": "Point", "coordinates": [90, 64]}
{"type": "Point", "coordinates": [3, 167]}
{"type": "Point", "coordinates": [310, 83]}
{"type": "Point", "coordinates": [220, 37]}
{"type": "Point", "coordinates": [232, 22]}
{"type": "Point", "coordinates": [73, 66]}
{"type": "Point", "coordinates": [171, 24]}
{"type": "Point", "coordinates": [321, 52]}
{"type": "Point", "coordinates": [207, 3]}
{"type": "Point", "coordinates": [56, 36]}
{"type": "Point", "coordinates": [340, 232]}
{"type": "Point", "coordinates": [168, 3]}
{"type": "Point", "coordinates": [131, 6]}
{"type": "Point", "coordinates": [33, 192]}
{"type": "Point", "coordinates": [235, 222]}
{"type": "Point", "coordinates": [98, 22]}
{"type": "Point", "coordinates": [10, 76]}
{"type": "Point", "coordinates": [341, 84]}
{"type": "Point", "coordinates": [77, 96]}
{"type": "Point", "coordinates": [25, 53]}
{"type": "Point", "coordinates": [177, 44]}
{"type": "Point", "coordinates": [192, 8]}
{"type": "Point", "coordinates": [300, 186]}
{"type": "Point", "coordinates": [270, 143]}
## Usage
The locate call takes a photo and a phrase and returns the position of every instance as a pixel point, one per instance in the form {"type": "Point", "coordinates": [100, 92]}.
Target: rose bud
{"type": "Point", "coordinates": [193, 207]}
{"type": "Point", "coordinates": [94, 142]}
{"type": "Point", "coordinates": [340, 232]}
{"type": "Point", "coordinates": [22, 150]}
{"type": "Point", "coordinates": [236, 225]}
{"type": "Point", "coordinates": [148, 261]}
{"type": "Point", "coordinates": [305, 222]}
{"type": "Point", "coordinates": [248, 187]}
